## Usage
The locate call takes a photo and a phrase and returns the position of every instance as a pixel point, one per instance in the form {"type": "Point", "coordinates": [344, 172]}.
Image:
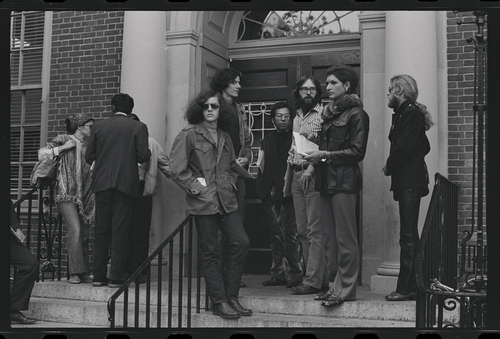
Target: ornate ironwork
{"type": "Point", "coordinates": [295, 24]}
{"type": "Point", "coordinates": [49, 232]}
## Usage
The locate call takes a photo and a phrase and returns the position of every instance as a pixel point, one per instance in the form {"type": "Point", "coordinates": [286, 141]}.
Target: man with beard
{"type": "Point", "coordinates": [310, 232]}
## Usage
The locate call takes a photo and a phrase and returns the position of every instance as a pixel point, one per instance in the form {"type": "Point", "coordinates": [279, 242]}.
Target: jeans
{"type": "Point", "coordinates": [222, 286]}
{"type": "Point", "coordinates": [77, 238]}
{"type": "Point", "coordinates": [409, 205]}
{"type": "Point", "coordinates": [139, 233]}
{"type": "Point", "coordinates": [113, 218]}
{"type": "Point", "coordinates": [344, 242]}
{"type": "Point", "coordinates": [284, 244]}
{"type": "Point", "coordinates": [310, 231]}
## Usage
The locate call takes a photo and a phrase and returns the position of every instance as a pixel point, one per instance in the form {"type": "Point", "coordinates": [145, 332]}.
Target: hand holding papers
{"type": "Point", "coordinates": [303, 144]}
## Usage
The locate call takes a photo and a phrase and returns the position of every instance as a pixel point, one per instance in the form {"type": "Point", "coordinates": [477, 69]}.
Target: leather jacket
{"type": "Point", "coordinates": [344, 135]}
{"type": "Point", "coordinates": [195, 157]}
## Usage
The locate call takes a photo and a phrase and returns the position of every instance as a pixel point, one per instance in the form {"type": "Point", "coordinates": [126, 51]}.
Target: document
{"type": "Point", "coordinates": [303, 144]}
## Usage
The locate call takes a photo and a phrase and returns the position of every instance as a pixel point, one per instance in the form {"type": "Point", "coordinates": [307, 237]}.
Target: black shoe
{"type": "Point", "coordinates": [304, 289]}
{"type": "Point", "coordinates": [98, 283]}
{"type": "Point", "coordinates": [332, 300]}
{"type": "Point", "coordinates": [242, 284]}
{"type": "Point", "coordinates": [238, 308]}
{"type": "Point", "coordinates": [21, 318]}
{"type": "Point", "coordinates": [322, 296]}
{"type": "Point", "coordinates": [396, 296]}
{"type": "Point", "coordinates": [115, 283]}
{"type": "Point", "coordinates": [274, 282]}
{"type": "Point", "coordinates": [292, 283]}
{"type": "Point", "coordinates": [224, 310]}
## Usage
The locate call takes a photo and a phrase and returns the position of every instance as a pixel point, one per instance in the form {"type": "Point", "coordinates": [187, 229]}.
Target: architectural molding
{"type": "Point", "coordinates": [182, 37]}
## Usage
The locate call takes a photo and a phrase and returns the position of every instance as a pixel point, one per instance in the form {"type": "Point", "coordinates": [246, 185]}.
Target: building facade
{"type": "Point", "coordinates": [75, 61]}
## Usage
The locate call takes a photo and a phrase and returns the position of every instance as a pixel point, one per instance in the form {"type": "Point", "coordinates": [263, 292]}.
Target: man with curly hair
{"type": "Point", "coordinates": [227, 82]}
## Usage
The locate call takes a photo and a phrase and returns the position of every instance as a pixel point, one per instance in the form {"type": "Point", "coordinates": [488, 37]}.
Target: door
{"type": "Point", "coordinates": [264, 82]}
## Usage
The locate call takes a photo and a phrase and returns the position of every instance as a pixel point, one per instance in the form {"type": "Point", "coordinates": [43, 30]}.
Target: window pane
{"type": "Point", "coordinates": [16, 30]}
{"type": "Point", "coordinates": [15, 143]}
{"type": "Point", "coordinates": [15, 107]}
{"type": "Point", "coordinates": [27, 169]}
{"type": "Point", "coordinates": [14, 176]}
{"type": "Point", "coordinates": [14, 68]}
{"type": "Point", "coordinates": [33, 30]}
{"type": "Point", "coordinates": [33, 113]}
{"type": "Point", "coordinates": [31, 143]}
{"type": "Point", "coordinates": [32, 67]}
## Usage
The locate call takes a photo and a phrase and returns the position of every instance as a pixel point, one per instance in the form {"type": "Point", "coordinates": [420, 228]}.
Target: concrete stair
{"type": "Point", "coordinates": [58, 302]}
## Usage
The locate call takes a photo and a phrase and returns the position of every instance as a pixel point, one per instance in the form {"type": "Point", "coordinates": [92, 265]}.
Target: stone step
{"type": "Point", "coordinates": [72, 313]}
{"type": "Point", "coordinates": [270, 300]}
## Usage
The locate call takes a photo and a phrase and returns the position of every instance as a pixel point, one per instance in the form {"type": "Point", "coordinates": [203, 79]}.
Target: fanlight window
{"type": "Point", "coordinates": [296, 24]}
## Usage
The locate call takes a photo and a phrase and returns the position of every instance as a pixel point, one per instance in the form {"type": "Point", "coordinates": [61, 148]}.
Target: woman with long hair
{"type": "Point", "coordinates": [73, 195]}
{"type": "Point", "coordinates": [344, 135]}
{"type": "Point", "coordinates": [203, 164]}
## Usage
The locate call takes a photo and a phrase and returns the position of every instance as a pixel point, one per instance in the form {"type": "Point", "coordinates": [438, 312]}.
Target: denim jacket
{"type": "Point", "coordinates": [195, 158]}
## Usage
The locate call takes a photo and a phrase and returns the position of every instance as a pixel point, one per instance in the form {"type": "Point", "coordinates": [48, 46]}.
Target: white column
{"type": "Point", "coordinates": [144, 78]}
{"type": "Point", "coordinates": [411, 48]}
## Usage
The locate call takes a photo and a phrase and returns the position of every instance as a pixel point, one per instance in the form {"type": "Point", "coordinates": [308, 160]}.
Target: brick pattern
{"type": "Point", "coordinates": [460, 111]}
{"type": "Point", "coordinates": [85, 73]}
{"type": "Point", "coordinates": [85, 65]}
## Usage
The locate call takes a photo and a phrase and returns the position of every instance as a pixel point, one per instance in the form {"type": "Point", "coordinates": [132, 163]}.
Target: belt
{"type": "Point", "coordinates": [298, 168]}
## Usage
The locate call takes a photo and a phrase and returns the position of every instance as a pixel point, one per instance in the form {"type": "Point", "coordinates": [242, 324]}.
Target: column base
{"type": "Point", "coordinates": [383, 284]}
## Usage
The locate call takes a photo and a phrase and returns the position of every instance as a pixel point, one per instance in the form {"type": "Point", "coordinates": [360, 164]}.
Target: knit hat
{"type": "Point", "coordinates": [78, 119]}
{"type": "Point", "coordinates": [345, 73]}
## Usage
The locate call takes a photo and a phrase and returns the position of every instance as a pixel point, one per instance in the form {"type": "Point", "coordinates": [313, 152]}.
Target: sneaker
{"type": "Point", "coordinates": [74, 279]}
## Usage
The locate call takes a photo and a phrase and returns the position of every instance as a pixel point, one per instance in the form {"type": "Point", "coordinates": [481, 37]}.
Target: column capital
{"type": "Point", "coordinates": [182, 37]}
{"type": "Point", "coordinates": [372, 19]}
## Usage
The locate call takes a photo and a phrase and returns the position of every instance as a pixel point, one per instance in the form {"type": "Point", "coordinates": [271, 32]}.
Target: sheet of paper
{"type": "Point", "coordinates": [303, 144]}
{"type": "Point", "coordinates": [202, 181]}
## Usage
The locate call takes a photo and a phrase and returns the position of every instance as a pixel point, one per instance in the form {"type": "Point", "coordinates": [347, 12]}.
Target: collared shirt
{"type": "Point", "coordinates": [305, 123]}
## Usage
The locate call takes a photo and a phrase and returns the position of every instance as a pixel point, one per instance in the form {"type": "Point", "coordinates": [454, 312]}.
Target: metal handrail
{"type": "Point", "coordinates": [146, 268]}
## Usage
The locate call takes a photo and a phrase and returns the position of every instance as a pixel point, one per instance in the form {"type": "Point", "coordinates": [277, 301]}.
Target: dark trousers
{"type": "Point", "coordinates": [222, 286]}
{"type": "Point", "coordinates": [284, 245]}
{"type": "Point", "coordinates": [409, 205]}
{"type": "Point", "coordinates": [139, 233]}
{"type": "Point", "coordinates": [27, 271]}
{"type": "Point", "coordinates": [113, 218]}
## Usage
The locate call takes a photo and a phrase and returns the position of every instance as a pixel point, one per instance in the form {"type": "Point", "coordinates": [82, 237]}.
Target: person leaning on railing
{"type": "Point", "coordinates": [73, 194]}
{"type": "Point", "coordinates": [203, 164]}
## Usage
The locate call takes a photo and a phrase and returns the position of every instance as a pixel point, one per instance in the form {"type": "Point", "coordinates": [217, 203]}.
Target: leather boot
{"type": "Point", "coordinates": [237, 306]}
{"type": "Point", "coordinates": [225, 311]}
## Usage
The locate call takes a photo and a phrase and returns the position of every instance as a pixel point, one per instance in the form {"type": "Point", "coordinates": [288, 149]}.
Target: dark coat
{"type": "Point", "coordinates": [409, 145]}
{"type": "Point", "coordinates": [194, 155]}
{"type": "Point", "coordinates": [116, 145]}
{"type": "Point", "coordinates": [344, 135]}
{"type": "Point", "coordinates": [274, 166]}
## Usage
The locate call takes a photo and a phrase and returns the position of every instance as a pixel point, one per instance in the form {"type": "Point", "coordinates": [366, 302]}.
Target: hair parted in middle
{"type": "Point", "coordinates": [221, 79]}
{"type": "Point", "coordinates": [300, 82]}
{"type": "Point", "coordinates": [406, 87]}
{"type": "Point", "coordinates": [194, 111]}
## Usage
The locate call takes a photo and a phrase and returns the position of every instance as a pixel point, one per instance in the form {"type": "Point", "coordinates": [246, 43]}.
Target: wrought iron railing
{"type": "Point", "coordinates": [48, 229]}
{"type": "Point", "coordinates": [143, 298]}
{"type": "Point", "coordinates": [441, 301]}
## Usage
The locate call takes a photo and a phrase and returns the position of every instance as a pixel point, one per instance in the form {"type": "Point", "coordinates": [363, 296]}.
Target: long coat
{"type": "Point", "coordinates": [195, 158]}
{"type": "Point", "coordinates": [116, 145]}
{"type": "Point", "coordinates": [409, 145]}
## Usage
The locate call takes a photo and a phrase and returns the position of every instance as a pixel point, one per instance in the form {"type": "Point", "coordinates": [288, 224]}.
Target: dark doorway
{"type": "Point", "coordinates": [264, 82]}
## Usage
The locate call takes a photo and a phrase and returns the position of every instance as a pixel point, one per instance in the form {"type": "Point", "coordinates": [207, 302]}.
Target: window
{"type": "Point", "coordinates": [296, 24]}
{"type": "Point", "coordinates": [27, 40]}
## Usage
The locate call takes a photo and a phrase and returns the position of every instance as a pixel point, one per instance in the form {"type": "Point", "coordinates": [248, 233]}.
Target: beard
{"type": "Point", "coordinates": [307, 103]}
{"type": "Point", "coordinates": [393, 102]}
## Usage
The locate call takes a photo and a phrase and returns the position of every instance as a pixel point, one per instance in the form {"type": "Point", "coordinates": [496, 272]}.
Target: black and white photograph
{"type": "Point", "coordinates": [249, 169]}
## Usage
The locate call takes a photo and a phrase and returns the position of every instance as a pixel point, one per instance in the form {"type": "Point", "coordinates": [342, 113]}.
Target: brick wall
{"type": "Point", "coordinates": [85, 65]}
{"type": "Point", "coordinates": [460, 110]}
{"type": "Point", "coordinates": [85, 71]}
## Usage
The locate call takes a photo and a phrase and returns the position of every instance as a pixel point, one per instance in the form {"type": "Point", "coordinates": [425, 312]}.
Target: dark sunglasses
{"type": "Point", "coordinates": [213, 105]}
